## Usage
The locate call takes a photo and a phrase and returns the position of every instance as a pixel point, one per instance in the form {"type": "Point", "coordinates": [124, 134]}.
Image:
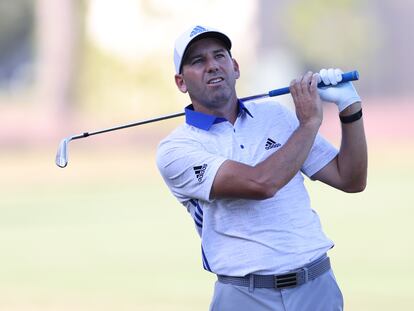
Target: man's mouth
{"type": "Point", "coordinates": [215, 80]}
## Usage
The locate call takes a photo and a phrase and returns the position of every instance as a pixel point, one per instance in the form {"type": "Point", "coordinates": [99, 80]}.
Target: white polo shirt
{"type": "Point", "coordinates": [241, 236]}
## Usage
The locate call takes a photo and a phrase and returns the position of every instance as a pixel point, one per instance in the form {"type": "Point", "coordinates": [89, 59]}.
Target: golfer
{"type": "Point", "coordinates": [238, 167]}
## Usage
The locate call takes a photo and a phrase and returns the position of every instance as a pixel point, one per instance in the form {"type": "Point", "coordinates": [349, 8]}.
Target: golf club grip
{"type": "Point", "coordinates": [346, 77]}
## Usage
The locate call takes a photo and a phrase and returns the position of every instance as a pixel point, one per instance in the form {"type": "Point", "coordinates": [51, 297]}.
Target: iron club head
{"type": "Point", "coordinates": [62, 153]}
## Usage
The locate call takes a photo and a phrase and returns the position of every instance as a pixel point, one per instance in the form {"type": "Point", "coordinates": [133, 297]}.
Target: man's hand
{"type": "Point", "coordinates": [343, 95]}
{"type": "Point", "coordinates": [307, 102]}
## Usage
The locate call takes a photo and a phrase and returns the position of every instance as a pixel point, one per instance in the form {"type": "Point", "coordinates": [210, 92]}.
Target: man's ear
{"type": "Point", "coordinates": [236, 69]}
{"type": "Point", "coordinates": [179, 81]}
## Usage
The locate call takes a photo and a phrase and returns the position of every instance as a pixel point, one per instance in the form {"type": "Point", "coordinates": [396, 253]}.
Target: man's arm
{"type": "Point", "coordinates": [238, 180]}
{"type": "Point", "coordinates": [348, 171]}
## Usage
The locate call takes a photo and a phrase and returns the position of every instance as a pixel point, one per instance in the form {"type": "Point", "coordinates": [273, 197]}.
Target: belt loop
{"type": "Point", "coordinates": [251, 283]}
{"type": "Point", "coordinates": [306, 274]}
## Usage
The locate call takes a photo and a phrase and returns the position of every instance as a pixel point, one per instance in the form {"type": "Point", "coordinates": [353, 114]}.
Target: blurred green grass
{"type": "Point", "coordinates": [106, 234]}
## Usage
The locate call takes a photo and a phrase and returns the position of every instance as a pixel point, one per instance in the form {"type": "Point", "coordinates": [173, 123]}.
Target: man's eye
{"type": "Point", "coordinates": [196, 61]}
{"type": "Point", "coordinates": [220, 55]}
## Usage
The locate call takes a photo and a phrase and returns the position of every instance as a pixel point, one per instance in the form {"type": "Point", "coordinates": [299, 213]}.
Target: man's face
{"type": "Point", "coordinates": [208, 74]}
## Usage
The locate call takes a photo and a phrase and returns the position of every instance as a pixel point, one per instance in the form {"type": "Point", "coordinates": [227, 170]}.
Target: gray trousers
{"type": "Point", "coordinates": [321, 294]}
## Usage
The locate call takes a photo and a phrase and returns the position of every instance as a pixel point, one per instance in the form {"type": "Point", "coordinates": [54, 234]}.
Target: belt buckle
{"type": "Point", "coordinates": [286, 280]}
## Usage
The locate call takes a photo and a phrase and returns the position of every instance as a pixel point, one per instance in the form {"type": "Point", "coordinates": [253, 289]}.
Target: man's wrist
{"type": "Point", "coordinates": [311, 125]}
{"type": "Point", "coordinates": [351, 109]}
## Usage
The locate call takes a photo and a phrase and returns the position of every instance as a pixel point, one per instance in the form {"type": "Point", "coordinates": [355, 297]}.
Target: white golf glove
{"type": "Point", "coordinates": [343, 94]}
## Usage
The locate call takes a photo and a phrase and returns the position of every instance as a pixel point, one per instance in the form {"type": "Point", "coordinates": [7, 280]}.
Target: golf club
{"type": "Point", "coordinates": [62, 153]}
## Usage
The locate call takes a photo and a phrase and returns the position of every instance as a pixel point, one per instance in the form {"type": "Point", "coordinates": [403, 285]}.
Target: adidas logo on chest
{"type": "Point", "coordinates": [270, 143]}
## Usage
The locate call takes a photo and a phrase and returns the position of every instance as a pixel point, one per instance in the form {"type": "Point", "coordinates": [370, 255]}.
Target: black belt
{"type": "Point", "coordinates": [290, 279]}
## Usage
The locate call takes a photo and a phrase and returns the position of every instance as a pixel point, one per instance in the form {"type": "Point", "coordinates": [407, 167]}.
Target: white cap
{"type": "Point", "coordinates": [196, 32]}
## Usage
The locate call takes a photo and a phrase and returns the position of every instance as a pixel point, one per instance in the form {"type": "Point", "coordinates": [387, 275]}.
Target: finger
{"type": "Point", "coordinates": [306, 82]}
{"type": "Point", "coordinates": [324, 76]}
{"type": "Point", "coordinates": [314, 82]}
{"type": "Point", "coordinates": [338, 75]}
{"type": "Point", "coordinates": [319, 77]}
{"type": "Point", "coordinates": [331, 76]}
{"type": "Point", "coordinates": [293, 87]}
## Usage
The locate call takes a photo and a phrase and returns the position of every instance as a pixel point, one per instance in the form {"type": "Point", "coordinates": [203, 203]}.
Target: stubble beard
{"type": "Point", "coordinates": [215, 99]}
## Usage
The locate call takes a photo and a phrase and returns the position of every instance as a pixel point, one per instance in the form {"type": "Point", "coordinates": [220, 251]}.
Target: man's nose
{"type": "Point", "coordinates": [211, 64]}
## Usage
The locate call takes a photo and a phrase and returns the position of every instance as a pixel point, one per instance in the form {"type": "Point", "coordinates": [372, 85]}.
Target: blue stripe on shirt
{"type": "Point", "coordinates": [199, 209]}
{"type": "Point", "coordinates": [198, 213]}
{"type": "Point", "coordinates": [198, 224]}
{"type": "Point", "coordinates": [198, 217]}
{"type": "Point", "coordinates": [197, 206]}
{"type": "Point", "coordinates": [205, 261]}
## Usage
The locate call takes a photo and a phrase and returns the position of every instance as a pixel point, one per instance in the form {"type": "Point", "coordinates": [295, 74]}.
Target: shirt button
{"type": "Point", "coordinates": [241, 146]}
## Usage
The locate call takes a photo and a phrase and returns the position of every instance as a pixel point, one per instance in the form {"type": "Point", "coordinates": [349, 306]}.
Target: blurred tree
{"type": "Point", "coordinates": [116, 85]}
{"type": "Point", "coordinates": [393, 60]}
{"type": "Point", "coordinates": [16, 37]}
{"type": "Point", "coordinates": [331, 33]}
{"type": "Point", "coordinates": [109, 86]}
{"type": "Point", "coordinates": [372, 36]}
{"type": "Point", "coordinates": [58, 31]}
{"type": "Point", "coordinates": [321, 33]}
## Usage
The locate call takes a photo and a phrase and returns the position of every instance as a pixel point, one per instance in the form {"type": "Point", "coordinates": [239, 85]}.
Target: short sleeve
{"type": "Point", "coordinates": [187, 168]}
{"type": "Point", "coordinates": [321, 153]}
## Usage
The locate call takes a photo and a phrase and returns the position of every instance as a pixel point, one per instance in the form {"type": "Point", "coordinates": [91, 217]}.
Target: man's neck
{"type": "Point", "coordinates": [228, 111]}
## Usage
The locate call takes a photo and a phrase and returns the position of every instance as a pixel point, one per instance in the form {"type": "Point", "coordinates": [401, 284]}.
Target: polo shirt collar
{"type": "Point", "coordinates": [205, 121]}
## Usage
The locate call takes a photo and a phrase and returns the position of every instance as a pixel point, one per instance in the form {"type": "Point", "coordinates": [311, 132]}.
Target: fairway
{"type": "Point", "coordinates": [106, 234]}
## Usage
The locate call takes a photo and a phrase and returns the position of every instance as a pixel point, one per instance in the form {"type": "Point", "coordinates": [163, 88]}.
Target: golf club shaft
{"type": "Point", "coordinates": [346, 77]}
{"type": "Point", "coordinates": [169, 116]}
{"type": "Point", "coordinates": [62, 153]}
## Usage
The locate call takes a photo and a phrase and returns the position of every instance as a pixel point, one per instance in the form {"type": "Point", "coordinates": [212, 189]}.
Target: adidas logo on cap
{"type": "Point", "coordinates": [199, 171]}
{"type": "Point", "coordinates": [197, 30]}
{"type": "Point", "coordinates": [270, 143]}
